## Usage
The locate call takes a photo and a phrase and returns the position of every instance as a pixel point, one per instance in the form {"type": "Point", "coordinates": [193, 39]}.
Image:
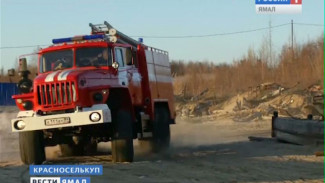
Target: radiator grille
{"type": "Point", "coordinates": [56, 94]}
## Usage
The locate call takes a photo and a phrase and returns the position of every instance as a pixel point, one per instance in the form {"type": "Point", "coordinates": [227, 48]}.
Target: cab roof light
{"type": "Point", "coordinates": [90, 37]}
{"type": "Point", "coordinates": [78, 38]}
{"type": "Point", "coordinates": [61, 40]}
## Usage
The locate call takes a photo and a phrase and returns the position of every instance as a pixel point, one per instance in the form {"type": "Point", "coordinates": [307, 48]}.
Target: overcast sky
{"type": "Point", "coordinates": [37, 22]}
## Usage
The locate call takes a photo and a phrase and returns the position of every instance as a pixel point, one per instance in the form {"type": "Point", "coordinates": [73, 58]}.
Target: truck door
{"type": "Point", "coordinates": [128, 73]}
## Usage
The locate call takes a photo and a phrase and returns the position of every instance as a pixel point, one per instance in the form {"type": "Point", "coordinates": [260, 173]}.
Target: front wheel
{"type": "Point", "coordinates": [122, 141]}
{"type": "Point", "coordinates": [31, 145]}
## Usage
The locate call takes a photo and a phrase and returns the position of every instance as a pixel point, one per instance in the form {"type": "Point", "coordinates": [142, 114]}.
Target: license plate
{"type": "Point", "coordinates": [57, 121]}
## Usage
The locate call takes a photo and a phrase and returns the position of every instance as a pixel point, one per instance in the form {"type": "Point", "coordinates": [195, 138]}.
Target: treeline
{"type": "Point", "coordinates": [300, 66]}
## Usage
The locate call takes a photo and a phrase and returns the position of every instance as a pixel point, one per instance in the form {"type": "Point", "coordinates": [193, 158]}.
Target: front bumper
{"type": "Point", "coordinates": [79, 118]}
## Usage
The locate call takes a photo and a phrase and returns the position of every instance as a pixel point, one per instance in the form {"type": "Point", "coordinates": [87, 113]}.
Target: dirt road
{"type": "Point", "coordinates": [214, 151]}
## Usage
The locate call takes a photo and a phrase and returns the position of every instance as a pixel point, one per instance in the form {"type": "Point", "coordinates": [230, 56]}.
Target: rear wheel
{"type": "Point", "coordinates": [122, 141]}
{"type": "Point", "coordinates": [161, 132]}
{"type": "Point", "coordinates": [31, 145]}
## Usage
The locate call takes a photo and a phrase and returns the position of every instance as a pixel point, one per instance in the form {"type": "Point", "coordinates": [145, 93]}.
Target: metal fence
{"type": "Point", "coordinates": [6, 91]}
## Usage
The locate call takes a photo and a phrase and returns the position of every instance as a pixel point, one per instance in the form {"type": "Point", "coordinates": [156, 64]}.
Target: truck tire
{"type": "Point", "coordinates": [122, 141]}
{"type": "Point", "coordinates": [31, 145]}
{"type": "Point", "coordinates": [161, 132]}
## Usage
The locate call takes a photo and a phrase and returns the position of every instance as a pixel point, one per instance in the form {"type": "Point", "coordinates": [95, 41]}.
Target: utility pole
{"type": "Point", "coordinates": [292, 51]}
{"type": "Point", "coordinates": [270, 42]}
{"type": "Point", "coordinates": [271, 51]}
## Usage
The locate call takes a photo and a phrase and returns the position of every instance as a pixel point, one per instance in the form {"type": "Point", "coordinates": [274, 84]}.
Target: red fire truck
{"type": "Point", "coordinates": [95, 88]}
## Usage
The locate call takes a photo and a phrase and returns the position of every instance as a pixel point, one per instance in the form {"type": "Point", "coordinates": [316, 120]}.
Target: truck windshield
{"type": "Point", "coordinates": [56, 60]}
{"type": "Point", "coordinates": [94, 56]}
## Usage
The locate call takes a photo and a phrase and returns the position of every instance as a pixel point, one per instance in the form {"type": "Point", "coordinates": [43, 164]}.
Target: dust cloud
{"type": "Point", "coordinates": [9, 148]}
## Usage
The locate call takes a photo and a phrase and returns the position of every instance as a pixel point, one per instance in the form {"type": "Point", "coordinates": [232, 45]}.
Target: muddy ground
{"type": "Point", "coordinates": [202, 151]}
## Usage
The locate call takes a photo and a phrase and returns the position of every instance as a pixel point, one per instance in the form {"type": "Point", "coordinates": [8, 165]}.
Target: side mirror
{"type": "Point", "coordinates": [11, 72]}
{"type": "Point", "coordinates": [115, 65]}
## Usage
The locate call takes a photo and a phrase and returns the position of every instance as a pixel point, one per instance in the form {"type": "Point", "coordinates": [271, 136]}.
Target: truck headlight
{"type": "Point", "coordinates": [95, 117]}
{"type": "Point", "coordinates": [19, 125]}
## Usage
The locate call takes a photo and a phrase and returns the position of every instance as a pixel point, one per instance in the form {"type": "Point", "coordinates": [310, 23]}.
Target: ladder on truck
{"type": "Point", "coordinates": [101, 28]}
{"type": "Point", "coordinates": [107, 28]}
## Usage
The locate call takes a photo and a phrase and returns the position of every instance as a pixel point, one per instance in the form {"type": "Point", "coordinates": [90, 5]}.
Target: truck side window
{"type": "Point", "coordinates": [135, 60]}
{"type": "Point", "coordinates": [128, 56]}
{"type": "Point", "coordinates": [119, 56]}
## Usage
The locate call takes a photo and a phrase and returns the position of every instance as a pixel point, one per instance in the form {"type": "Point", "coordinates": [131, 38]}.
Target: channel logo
{"type": "Point", "coordinates": [64, 170]}
{"type": "Point", "coordinates": [59, 180]}
{"type": "Point", "coordinates": [278, 6]}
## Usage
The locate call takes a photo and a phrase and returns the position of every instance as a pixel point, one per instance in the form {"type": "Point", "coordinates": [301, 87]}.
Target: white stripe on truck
{"type": "Point", "coordinates": [63, 75]}
{"type": "Point", "coordinates": [50, 77]}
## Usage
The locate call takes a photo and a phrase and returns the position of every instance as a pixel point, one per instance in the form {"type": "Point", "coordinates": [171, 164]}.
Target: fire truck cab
{"type": "Point", "coordinates": [95, 88]}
